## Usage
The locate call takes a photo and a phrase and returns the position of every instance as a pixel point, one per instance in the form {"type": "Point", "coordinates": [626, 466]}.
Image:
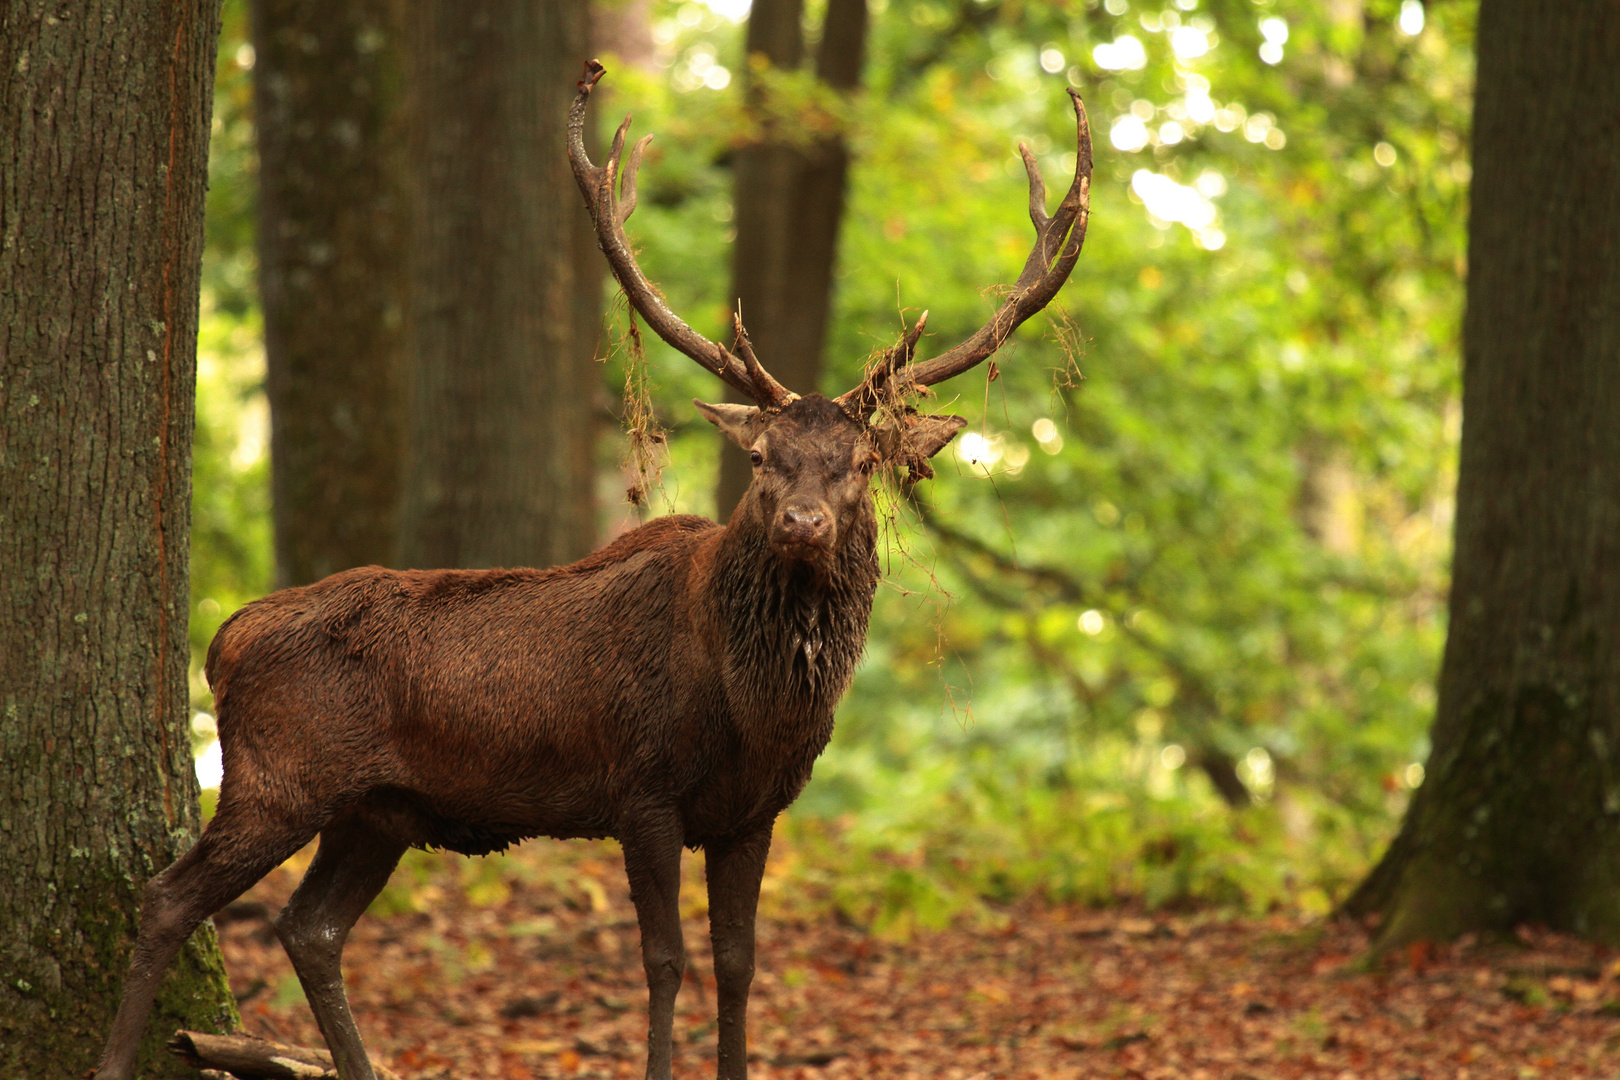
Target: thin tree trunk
{"type": "Point", "coordinates": [1519, 817]}
{"type": "Point", "coordinates": [104, 113]}
{"type": "Point", "coordinates": [789, 205]}
{"type": "Point", "coordinates": [333, 276]}
{"type": "Point", "coordinates": [506, 290]}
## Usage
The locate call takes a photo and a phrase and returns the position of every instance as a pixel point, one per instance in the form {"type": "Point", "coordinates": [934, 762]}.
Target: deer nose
{"type": "Point", "coordinates": [802, 524]}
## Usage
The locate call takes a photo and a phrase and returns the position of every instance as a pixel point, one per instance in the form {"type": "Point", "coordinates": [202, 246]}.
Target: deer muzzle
{"type": "Point", "coordinates": [803, 530]}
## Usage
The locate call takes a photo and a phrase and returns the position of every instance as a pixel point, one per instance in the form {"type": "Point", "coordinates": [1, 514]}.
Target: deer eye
{"type": "Point", "coordinates": [756, 457]}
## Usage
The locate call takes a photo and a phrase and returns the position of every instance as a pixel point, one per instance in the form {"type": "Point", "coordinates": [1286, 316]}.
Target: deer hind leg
{"type": "Point", "coordinates": [238, 847]}
{"type": "Point", "coordinates": [350, 868]}
{"type": "Point", "coordinates": [652, 862]}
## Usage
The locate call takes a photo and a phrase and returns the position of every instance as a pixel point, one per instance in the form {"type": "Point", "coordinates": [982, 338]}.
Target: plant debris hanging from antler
{"type": "Point", "coordinates": [648, 451]}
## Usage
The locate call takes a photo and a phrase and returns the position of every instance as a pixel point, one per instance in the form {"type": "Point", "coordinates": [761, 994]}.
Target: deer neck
{"type": "Point", "coordinates": [794, 631]}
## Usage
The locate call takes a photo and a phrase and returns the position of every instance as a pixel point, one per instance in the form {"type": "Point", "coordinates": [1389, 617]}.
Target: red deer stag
{"type": "Point", "coordinates": [672, 689]}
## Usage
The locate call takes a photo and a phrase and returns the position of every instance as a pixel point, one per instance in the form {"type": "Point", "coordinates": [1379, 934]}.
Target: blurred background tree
{"type": "Point", "coordinates": [506, 290]}
{"type": "Point", "coordinates": [334, 275]}
{"type": "Point", "coordinates": [790, 168]}
{"type": "Point", "coordinates": [431, 294]}
{"type": "Point", "coordinates": [1167, 625]}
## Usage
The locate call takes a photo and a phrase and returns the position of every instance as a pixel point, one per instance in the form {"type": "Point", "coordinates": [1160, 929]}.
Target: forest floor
{"type": "Point", "coordinates": [530, 967]}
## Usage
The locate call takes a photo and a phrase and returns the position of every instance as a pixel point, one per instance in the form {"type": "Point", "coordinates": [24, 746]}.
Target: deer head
{"type": "Point", "coordinates": [812, 466]}
{"type": "Point", "coordinates": [813, 457]}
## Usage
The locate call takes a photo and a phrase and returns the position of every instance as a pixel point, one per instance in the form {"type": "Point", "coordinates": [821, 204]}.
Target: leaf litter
{"type": "Point", "coordinates": [529, 966]}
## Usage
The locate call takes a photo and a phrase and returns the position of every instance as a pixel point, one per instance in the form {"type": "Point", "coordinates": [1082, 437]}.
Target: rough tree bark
{"type": "Point", "coordinates": [1518, 819]}
{"type": "Point", "coordinates": [333, 276]}
{"type": "Point", "coordinates": [506, 290]}
{"type": "Point", "coordinates": [789, 204]}
{"type": "Point", "coordinates": [104, 113]}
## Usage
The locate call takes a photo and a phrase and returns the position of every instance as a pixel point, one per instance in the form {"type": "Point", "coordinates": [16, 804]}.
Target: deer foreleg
{"type": "Point", "coordinates": [734, 871]}
{"type": "Point", "coordinates": [652, 862]}
{"type": "Point", "coordinates": [350, 869]}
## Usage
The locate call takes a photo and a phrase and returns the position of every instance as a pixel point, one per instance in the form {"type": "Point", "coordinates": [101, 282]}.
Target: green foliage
{"type": "Point", "coordinates": [1203, 514]}
{"type": "Point", "coordinates": [230, 506]}
{"type": "Point", "coordinates": [950, 839]}
{"type": "Point", "coordinates": [1228, 541]}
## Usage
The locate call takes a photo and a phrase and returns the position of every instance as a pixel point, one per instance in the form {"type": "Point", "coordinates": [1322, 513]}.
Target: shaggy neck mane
{"type": "Point", "coordinates": [795, 630]}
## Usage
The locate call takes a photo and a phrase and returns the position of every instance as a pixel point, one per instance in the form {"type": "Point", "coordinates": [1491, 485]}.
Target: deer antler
{"type": "Point", "coordinates": [1057, 246]}
{"type": "Point", "coordinates": [609, 212]}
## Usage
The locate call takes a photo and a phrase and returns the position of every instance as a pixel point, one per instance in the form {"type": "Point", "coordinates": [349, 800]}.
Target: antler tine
{"type": "Point", "coordinates": [863, 400]}
{"type": "Point", "coordinates": [616, 151]}
{"type": "Point", "coordinates": [906, 347]}
{"type": "Point", "coordinates": [627, 185]}
{"type": "Point", "coordinates": [768, 392]}
{"type": "Point", "coordinates": [1058, 239]}
{"type": "Point", "coordinates": [1037, 188]}
{"type": "Point", "coordinates": [596, 183]}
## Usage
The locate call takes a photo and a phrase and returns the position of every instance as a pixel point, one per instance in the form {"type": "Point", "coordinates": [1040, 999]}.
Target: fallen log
{"type": "Point", "coordinates": [248, 1057]}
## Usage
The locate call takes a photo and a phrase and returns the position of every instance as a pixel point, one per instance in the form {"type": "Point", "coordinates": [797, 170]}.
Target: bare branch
{"type": "Point", "coordinates": [1198, 707]}
{"type": "Point", "coordinates": [259, 1059]}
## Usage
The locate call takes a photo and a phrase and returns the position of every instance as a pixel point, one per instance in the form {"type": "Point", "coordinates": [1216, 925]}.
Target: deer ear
{"type": "Point", "coordinates": [916, 435]}
{"type": "Point", "coordinates": [929, 434]}
{"type": "Point", "coordinates": [742, 424]}
{"type": "Point", "coordinates": [911, 439]}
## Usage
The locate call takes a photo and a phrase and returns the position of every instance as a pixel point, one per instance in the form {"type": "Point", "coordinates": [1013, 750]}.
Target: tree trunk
{"type": "Point", "coordinates": [333, 277]}
{"type": "Point", "coordinates": [506, 290]}
{"type": "Point", "coordinates": [104, 113]}
{"type": "Point", "coordinates": [1519, 817]}
{"type": "Point", "coordinates": [789, 204]}
{"type": "Point", "coordinates": [622, 29]}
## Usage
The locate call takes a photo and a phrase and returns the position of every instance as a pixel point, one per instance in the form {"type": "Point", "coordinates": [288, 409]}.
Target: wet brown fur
{"type": "Point", "coordinates": [558, 709]}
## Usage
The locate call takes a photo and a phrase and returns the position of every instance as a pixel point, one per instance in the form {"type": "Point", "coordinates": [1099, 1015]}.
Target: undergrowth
{"type": "Point", "coordinates": [967, 850]}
